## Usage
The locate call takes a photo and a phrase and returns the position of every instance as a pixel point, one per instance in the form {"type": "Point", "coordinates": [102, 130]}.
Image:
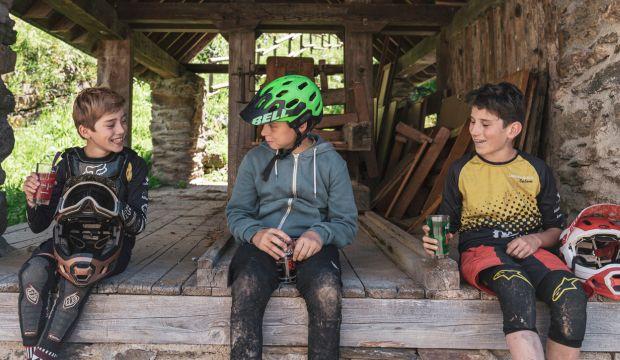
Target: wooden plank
{"type": "Point", "coordinates": [393, 177]}
{"type": "Point", "coordinates": [386, 136]}
{"type": "Point", "coordinates": [324, 81]}
{"type": "Point", "coordinates": [240, 134]}
{"type": "Point", "coordinates": [330, 135]}
{"type": "Point", "coordinates": [421, 172]}
{"type": "Point", "coordinates": [405, 180]}
{"type": "Point", "coordinates": [431, 209]}
{"type": "Point", "coordinates": [114, 71]}
{"type": "Point", "coordinates": [149, 249]}
{"type": "Point", "coordinates": [207, 261]}
{"type": "Point", "coordinates": [418, 57]}
{"type": "Point", "coordinates": [332, 121]}
{"type": "Point", "coordinates": [381, 279]}
{"type": "Point", "coordinates": [395, 323]}
{"type": "Point", "coordinates": [459, 149]}
{"type": "Point", "coordinates": [351, 285]}
{"type": "Point", "coordinates": [397, 150]}
{"type": "Point", "coordinates": [154, 58]}
{"type": "Point", "coordinates": [96, 16]}
{"type": "Point", "coordinates": [412, 133]}
{"type": "Point", "coordinates": [333, 96]}
{"type": "Point", "coordinates": [39, 10]}
{"type": "Point", "coordinates": [407, 252]}
{"type": "Point", "coordinates": [278, 66]}
{"type": "Point", "coordinates": [454, 113]}
{"type": "Point", "coordinates": [289, 14]}
{"type": "Point", "coordinates": [357, 136]}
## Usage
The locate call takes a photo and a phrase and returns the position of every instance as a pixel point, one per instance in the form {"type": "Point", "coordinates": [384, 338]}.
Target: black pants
{"type": "Point", "coordinates": [253, 276]}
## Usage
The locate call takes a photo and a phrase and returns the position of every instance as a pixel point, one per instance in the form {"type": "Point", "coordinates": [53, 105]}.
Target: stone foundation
{"type": "Point", "coordinates": [176, 128]}
{"type": "Point", "coordinates": [582, 141]}
{"type": "Point", "coordinates": [7, 102]}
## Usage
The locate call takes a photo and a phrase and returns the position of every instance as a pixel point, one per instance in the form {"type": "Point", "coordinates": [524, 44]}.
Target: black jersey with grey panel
{"type": "Point", "coordinates": [127, 170]}
{"type": "Point", "coordinates": [492, 203]}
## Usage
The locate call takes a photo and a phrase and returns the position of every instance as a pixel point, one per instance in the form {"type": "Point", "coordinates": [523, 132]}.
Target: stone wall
{"type": "Point", "coordinates": [176, 128]}
{"type": "Point", "coordinates": [7, 102]}
{"type": "Point", "coordinates": [582, 143]}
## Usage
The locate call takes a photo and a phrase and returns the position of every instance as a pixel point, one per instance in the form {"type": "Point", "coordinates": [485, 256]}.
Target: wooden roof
{"type": "Point", "coordinates": [174, 32]}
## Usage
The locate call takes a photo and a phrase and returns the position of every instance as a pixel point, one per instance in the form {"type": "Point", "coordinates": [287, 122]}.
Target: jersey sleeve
{"type": "Point", "coordinates": [548, 199]}
{"type": "Point", "coordinates": [134, 209]}
{"type": "Point", "coordinates": [452, 201]}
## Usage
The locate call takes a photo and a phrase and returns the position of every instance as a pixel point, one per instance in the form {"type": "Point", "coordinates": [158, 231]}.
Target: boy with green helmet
{"type": "Point", "coordinates": [293, 186]}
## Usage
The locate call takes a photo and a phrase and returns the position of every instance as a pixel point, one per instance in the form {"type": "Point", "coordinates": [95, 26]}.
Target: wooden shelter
{"type": "Point", "coordinates": [397, 302]}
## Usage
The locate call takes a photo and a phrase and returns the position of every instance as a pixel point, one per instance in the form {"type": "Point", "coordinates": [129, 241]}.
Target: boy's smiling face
{"type": "Point", "coordinates": [492, 140]}
{"type": "Point", "coordinates": [108, 135]}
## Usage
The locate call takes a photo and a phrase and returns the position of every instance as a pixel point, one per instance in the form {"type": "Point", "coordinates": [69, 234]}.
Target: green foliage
{"type": "Point", "coordinates": [47, 68]}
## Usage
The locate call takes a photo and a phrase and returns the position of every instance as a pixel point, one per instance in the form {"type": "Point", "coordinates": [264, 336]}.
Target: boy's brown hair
{"type": "Point", "coordinates": [93, 103]}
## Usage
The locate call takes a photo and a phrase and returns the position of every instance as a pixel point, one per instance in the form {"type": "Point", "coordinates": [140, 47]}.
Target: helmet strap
{"type": "Point", "coordinates": [283, 153]}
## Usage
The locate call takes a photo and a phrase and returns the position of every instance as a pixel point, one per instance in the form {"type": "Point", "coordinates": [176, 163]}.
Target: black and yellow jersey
{"type": "Point", "coordinates": [493, 203]}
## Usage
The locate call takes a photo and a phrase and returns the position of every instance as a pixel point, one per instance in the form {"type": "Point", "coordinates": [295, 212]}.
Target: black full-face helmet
{"type": "Point", "coordinates": [88, 233]}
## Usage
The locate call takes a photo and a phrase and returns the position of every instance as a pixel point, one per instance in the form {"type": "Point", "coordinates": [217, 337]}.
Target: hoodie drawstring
{"type": "Point", "coordinates": [314, 166]}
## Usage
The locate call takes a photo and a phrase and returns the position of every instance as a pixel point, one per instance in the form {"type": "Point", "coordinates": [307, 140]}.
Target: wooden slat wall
{"type": "Point", "coordinates": [505, 39]}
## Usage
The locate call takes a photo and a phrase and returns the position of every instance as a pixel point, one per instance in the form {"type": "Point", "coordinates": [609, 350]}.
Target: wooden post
{"type": "Point", "coordinates": [358, 69]}
{"type": "Point", "coordinates": [242, 43]}
{"type": "Point", "coordinates": [114, 70]}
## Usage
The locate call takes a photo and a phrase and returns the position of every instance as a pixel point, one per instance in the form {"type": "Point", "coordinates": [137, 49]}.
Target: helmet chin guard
{"type": "Point", "coordinates": [88, 233]}
{"type": "Point", "coordinates": [591, 248]}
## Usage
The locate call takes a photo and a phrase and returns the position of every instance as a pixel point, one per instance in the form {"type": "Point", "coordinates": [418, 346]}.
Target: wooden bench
{"type": "Point", "coordinates": [393, 296]}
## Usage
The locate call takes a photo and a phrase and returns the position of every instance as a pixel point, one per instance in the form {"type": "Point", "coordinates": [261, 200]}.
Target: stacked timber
{"type": "Point", "coordinates": [414, 161]}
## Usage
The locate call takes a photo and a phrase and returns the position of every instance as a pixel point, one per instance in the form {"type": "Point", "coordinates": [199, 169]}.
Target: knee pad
{"type": "Point", "coordinates": [66, 311]}
{"type": "Point", "coordinates": [36, 278]}
{"type": "Point", "coordinates": [516, 296]}
{"type": "Point", "coordinates": [567, 301]}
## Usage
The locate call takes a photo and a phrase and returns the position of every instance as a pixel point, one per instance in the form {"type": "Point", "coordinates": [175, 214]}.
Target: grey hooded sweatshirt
{"type": "Point", "coordinates": [307, 191]}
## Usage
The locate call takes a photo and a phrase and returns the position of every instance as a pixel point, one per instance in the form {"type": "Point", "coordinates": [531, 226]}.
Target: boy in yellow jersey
{"type": "Point", "coordinates": [505, 206]}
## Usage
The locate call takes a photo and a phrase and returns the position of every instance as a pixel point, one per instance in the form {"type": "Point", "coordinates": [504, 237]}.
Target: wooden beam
{"type": "Point", "coordinates": [99, 18]}
{"type": "Point", "coordinates": [418, 58]}
{"type": "Point", "coordinates": [286, 13]}
{"type": "Point", "coordinates": [96, 16]}
{"type": "Point", "coordinates": [114, 70]}
{"type": "Point", "coordinates": [397, 323]}
{"type": "Point", "coordinates": [260, 69]}
{"type": "Point", "coordinates": [242, 45]}
{"type": "Point", "coordinates": [468, 14]}
{"type": "Point", "coordinates": [154, 58]}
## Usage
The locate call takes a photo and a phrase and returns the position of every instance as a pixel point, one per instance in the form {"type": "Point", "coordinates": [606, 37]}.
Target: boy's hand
{"type": "Point", "coordinates": [523, 246]}
{"type": "Point", "coordinates": [272, 241]}
{"type": "Point", "coordinates": [430, 244]}
{"type": "Point", "coordinates": [308, 244]}
{"type": "Point", "coordinates": [31, 184]}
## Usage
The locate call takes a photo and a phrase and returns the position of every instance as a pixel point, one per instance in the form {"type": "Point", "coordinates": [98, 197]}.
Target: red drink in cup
{"type": "Point", "coordinates": [47, 178]}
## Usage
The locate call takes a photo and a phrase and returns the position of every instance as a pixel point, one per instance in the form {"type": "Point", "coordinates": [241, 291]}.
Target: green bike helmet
{"type": "Point", "coordinates": [293, 99]}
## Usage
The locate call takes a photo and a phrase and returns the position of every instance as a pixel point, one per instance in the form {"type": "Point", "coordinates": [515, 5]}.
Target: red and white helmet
{"type": "Point", "coordinates": [591, 248]}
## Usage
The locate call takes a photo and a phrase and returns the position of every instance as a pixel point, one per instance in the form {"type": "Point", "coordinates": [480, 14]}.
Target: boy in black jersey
{"type": "Point", "coordinates": [100, 120]}
{"type": "Point", "coordinates": [505, 207]}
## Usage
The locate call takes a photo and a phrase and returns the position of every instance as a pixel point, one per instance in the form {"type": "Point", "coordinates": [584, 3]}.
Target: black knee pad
{"type": "Point", "coordinates": [567, 301]}
{"type": "Point", "coordinates": [36, 279]}
{"type": "Point", "coordinates": [516, 296]}
{"type": "Point", "coordinates": [64, 314]}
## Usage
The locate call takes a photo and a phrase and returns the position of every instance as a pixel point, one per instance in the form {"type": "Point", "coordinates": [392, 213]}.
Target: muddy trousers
{"type": "Point", "coordinates": [559, 289]}
{"type": "Point", "coordinates": [253, 276]}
